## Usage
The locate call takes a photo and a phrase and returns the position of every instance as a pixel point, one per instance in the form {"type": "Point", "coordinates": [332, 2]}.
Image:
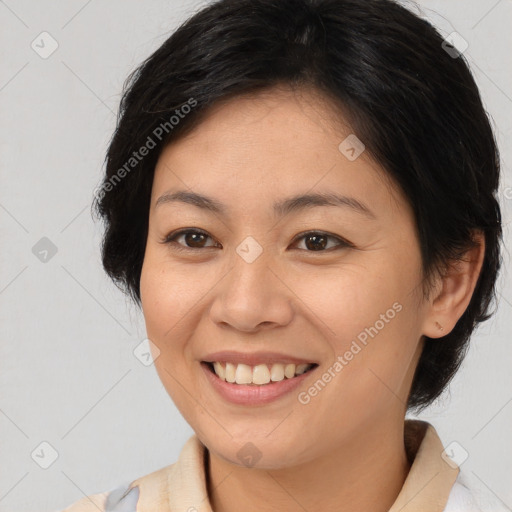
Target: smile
{"type": "Point", "coordinates": [245, 390]}
{"type": "Point", "coordinates": [258, 375]}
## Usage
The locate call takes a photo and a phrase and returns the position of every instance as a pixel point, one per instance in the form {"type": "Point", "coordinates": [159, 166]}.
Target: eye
{"type": "Point", "coordinates": [194, 237]}
{"type": "Point", "coordinates": [315, 241]}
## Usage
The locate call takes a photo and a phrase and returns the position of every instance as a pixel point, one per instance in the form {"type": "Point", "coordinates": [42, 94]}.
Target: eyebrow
{"type": "Point", "coordinates": [280, 208]}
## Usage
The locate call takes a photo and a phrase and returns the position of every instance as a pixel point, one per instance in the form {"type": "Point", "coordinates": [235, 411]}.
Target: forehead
{"type": "Point", "coordinates": [268, 145]}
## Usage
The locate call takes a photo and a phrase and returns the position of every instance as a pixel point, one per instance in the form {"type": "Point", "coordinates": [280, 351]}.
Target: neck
{"type": "Point", "coordinates": [366, 473]}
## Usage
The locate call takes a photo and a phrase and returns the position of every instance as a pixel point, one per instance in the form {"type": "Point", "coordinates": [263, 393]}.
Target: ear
{"type": "Point", "coordinates": [453, 290]}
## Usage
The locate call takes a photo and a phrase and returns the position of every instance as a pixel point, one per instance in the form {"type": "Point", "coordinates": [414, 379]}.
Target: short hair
{"type": "Point", "coordinates": [413, 103]}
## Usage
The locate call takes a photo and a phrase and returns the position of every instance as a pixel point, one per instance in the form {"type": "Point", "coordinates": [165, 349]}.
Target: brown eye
{"type": "Point", "coordinates": [316, 241]}
{"type": "Point", "coordinates": [192, 238]}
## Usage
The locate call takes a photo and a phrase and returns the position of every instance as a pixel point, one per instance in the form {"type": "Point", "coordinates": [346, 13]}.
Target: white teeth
{"type": "Point", "coordinates": [289, 371]}
{"type": "Point", "coordinates": [259, 374]}
{"type": "Point", "coordinates": [301, 368]}
{"type": "Point", "coordinates": [277, 373]}
{"type": "Point", "coordinates": [243, 374]}
{"type": "Point", "coordinates": [219, 370]}
{"type": "Point", "coordinates": [230, 372]}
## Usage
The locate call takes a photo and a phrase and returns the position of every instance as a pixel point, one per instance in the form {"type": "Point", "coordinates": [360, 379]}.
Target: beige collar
{"type": "Point", "coordinates": [431, 478]}
{"type": "Point", "coordinates": [182, 486]}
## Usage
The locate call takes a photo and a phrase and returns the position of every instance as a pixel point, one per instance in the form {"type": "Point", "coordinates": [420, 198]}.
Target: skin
{"type": "Point", "coordinates": [346, 445]}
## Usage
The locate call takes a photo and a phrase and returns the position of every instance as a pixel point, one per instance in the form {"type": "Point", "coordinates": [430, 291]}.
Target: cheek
{"type": "Point", "coordinates": [164, 303]}
{"type": "Point", "coordinates": [167, 303]}
{"type": "Point", "coordinates": [370, 317]}
{"type": "Point", "coordinates": [351, 297]}
{"type": "Point", "coordinates": [168, 295]}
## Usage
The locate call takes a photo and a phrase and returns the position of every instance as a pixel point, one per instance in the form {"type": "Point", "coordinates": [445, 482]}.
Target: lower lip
{"type": "Point", "coordinates": [250, 394]}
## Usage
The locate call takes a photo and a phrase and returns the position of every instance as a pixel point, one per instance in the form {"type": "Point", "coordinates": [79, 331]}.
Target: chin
{"type": "Point", "coordinates": [261, 452]}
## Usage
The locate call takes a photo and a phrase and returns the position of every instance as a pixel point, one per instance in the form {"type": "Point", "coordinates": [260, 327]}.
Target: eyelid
{"type": "Point", "coordinates": [168, 239]}
{"type": "Point", "coordinates": [343, 241]}
{"type": "Point", "coordinates": [172, 236]}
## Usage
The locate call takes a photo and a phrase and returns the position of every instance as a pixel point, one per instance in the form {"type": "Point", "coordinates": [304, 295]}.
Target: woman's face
{"type": "Point", "coordinates": [270, 282]}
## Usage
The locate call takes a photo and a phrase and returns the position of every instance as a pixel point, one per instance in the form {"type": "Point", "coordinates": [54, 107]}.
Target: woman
{"type": "Point", "coordinates": [301, 197]}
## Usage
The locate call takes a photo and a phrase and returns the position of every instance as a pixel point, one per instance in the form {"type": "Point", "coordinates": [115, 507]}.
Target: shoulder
{"type": "Point", "coordinates": [126, 497]}
{"type": "Point", "coordinates": [461, 499]}
{"type": "Point", "coordinates": [123, 498]}
{"type": "Point", "coordinates": [156, 490]}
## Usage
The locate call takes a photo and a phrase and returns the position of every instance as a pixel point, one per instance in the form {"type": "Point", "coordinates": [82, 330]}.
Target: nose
{"type": "Point", "coordinates": [253, 296]}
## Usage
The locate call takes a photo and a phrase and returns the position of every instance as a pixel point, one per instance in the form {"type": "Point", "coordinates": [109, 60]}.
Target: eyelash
{"type": "Point", "coordinates": [171, 237]}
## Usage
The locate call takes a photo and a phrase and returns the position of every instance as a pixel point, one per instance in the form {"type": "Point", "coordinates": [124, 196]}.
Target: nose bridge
{"type": "Point", "coordinates": [250, 279]}
{"type": "Point", "coordinates": [251, 294]}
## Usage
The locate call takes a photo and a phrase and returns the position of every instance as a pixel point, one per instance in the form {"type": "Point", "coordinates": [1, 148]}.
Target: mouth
{"type": "Point", "coordinates": [258, 375]}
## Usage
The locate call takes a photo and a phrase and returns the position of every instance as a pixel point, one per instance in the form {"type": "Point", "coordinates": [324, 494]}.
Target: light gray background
{"type": "Point", "coordinates": [68, 375]}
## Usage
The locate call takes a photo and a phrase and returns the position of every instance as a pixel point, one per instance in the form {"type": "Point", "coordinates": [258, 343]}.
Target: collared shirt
{"type": "Point", "coordinates": [431, 485]}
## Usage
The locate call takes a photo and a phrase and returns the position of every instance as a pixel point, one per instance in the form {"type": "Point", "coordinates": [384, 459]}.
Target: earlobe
{"type": "Point", "coordinates": [455, 289]}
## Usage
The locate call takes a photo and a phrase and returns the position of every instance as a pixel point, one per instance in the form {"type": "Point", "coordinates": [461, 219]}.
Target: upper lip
{"type": "Point", "coordinates": [255, 358]}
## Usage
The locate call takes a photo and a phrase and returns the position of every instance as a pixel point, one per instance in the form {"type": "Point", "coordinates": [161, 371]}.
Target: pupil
{"type": "Point", "coordinates": [316, 245]}
{"type": "Point", "coordinates": [194, 240]}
